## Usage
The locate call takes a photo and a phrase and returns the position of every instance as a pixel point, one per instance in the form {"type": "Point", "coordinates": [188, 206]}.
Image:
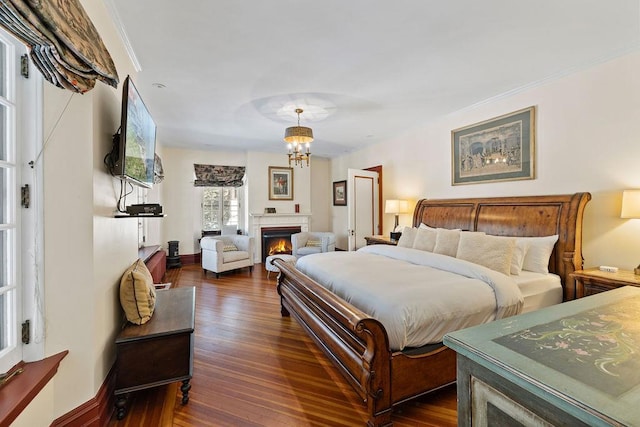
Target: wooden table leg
{"type": "Point", "coordinates": [186, 386]}
{"type": "Point", "coordinates": [121, 404]}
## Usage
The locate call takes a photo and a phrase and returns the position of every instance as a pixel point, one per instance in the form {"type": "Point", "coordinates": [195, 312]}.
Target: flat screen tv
{"type": "Point", "coordinates": [136, 140]}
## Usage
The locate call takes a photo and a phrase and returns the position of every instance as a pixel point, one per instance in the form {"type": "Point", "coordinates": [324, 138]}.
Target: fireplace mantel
{"type": "Point", "coordinates": [259, 220]}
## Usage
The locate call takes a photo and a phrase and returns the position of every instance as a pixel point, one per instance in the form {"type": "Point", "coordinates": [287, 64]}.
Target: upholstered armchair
{"type": "Point", "coordinates": [224, 253]}
{"type": "Point", "coordinates": [312, 242]}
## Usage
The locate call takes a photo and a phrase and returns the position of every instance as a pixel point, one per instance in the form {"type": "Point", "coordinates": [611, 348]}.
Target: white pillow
{"type": "Point", "coordinates": [447, 242]}
{"type": "Point", "coordinates": [425, 239]}
{"type": "Point", "coordinates": [407, 237]}
{"type": "Point", "coordinates": [426, 227]}
{"type": "Point", "coordinates": [518, 254]}
{"type": "Point", "coordinates": [490, 251]}
{"type": "Point", "coordinates": [537, 257]}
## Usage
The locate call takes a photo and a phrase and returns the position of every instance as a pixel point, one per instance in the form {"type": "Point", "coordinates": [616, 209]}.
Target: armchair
{"type": "Point", "coordinates": [310, 242]}
{"type": "Point", "coordinates": [224, 253]}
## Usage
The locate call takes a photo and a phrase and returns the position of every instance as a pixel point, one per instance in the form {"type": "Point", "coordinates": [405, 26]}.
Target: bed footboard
{"type": "Point", "coordinates": [356, 343]}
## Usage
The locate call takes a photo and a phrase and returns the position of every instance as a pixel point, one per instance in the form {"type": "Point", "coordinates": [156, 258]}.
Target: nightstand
{"type": "Point", "coordinates": [380, 240]}
{"type": "Point", "coordinates": [593, 280]}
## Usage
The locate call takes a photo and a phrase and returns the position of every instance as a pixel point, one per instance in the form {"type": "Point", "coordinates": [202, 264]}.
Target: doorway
{"type": "Point", "coordinates": [363, 202]}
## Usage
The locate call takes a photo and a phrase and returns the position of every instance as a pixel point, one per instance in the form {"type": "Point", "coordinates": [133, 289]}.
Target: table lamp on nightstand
{"type": "Point", "coordinates": [396, 207]}
{"type": "Point", "coordinates": [631, 209]}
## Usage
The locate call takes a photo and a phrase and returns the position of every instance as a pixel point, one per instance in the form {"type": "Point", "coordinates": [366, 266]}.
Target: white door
{"type": "Point", "coordinates": [362, 206]}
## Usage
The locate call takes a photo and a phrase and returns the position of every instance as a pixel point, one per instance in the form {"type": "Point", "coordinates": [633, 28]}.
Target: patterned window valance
{"type": "Point", "coordinates": [63, 43]}
{"type": "Point", "coordinates": [218, 176]}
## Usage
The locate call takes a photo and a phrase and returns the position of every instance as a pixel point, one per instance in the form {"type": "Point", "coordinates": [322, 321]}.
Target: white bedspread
{"type": "Point", "coordinates": [418, 296]}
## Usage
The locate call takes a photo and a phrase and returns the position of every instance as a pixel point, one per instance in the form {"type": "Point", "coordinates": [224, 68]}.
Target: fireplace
{"type": "Point", "coordinates": [276, 240]}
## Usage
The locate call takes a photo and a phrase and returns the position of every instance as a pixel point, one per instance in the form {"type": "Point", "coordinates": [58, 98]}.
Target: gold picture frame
{"type": "Point", "coordinates": [280, 183]}
{"type": "Point", "coordinates": [498, 149]}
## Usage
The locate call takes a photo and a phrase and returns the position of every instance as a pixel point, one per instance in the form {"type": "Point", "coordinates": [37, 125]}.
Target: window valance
{"type": "Point", "coordinates": [218, 176]}
{"type": "Point", "coordinates": [64, 45]}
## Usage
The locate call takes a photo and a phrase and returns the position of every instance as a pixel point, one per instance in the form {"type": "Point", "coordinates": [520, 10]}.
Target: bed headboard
{"type": "Point", "coordinates": [523, 216]}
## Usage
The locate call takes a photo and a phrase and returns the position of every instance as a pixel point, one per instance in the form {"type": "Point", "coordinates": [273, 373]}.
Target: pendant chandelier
{"type": "Point", "coordinates": [296, 136]}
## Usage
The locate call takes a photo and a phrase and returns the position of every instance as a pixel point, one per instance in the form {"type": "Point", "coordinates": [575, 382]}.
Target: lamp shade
{"type": "Point", "coordinates": [394, 206]}
{"type": "Point", "coordinates": [298, 135]}
{"type": "Point", "coordinates": [630, 204]}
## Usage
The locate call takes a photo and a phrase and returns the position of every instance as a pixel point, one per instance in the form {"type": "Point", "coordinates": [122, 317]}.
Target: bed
{"type": "Point", "coordinates": [358, 344]}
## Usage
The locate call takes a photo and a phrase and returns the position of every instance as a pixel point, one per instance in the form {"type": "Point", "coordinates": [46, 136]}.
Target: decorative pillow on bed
{"type": "Point", "coordinates": [518, 254]}
{"type": "Point", "coordinates": [537, 257]}
{"type": "Point", "coordinates": [425, 239]}
{"type": "Point", "coordinates": [490, 251]}
{"type": "Point", "coordinates": [426, 227]}
{"type": "Point", "coordinates": [137, 293]}
{"type": "Point", "coordinates": [407, 237]}
{"type": "Point", "coordinates": [447, 241]}
{"type": "Point", "coordinates": [314, 243]}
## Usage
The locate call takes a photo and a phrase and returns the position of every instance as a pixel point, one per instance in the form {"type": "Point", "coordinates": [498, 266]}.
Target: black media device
{"type": "Point", "coordinates": [145, 209]}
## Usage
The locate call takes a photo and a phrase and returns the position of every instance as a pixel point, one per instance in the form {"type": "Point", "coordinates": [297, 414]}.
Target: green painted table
{"type": "Point", "coordinates": [573, 364]}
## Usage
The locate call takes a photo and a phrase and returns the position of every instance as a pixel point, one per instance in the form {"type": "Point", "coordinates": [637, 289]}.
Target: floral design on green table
{"type": "Point", "coordinates": [598, 347]}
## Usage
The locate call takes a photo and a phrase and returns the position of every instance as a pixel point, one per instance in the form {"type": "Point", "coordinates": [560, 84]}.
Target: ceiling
{"type": "Point", "coordinates": [233, 72]}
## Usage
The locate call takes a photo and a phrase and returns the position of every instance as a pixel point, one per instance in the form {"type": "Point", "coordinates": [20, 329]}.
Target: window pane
{"type": "Point", "coordinates": [3, 132]}
{"type": "Point", "coordinates": [230, 208]}
{"type": "Point", "coordinates": [4, 320]}
{"type": "Point", "coordinates": [4, 259]}
{"type": "Point", "coordinates": [211, 209]}
{"type": "Point", "coordinates": [3, 76]}
{"type": "Point", "coordinates": [4, 199]}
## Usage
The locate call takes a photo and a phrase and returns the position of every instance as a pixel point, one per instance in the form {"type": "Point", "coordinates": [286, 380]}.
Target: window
{"type": "Point", "coordinates": [20, 128]}
{"type": "Point", "coordinates": [220, 206]}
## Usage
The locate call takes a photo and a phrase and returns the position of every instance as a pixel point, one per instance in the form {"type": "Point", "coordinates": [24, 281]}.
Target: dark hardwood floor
{"type": "Point", "coordinates": [253, 367]}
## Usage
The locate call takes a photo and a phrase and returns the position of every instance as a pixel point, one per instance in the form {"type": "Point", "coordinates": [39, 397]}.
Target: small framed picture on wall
{"type": "Point", "coordinates": [280, 183]}
{"type": "Point", "coordinates": [340, 193]}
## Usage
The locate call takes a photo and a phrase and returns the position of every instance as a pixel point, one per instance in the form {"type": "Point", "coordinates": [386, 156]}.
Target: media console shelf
{"type": "Point", "coordinates": [139, 216]}
{"type": "Point", "coordinates": [160, 351]}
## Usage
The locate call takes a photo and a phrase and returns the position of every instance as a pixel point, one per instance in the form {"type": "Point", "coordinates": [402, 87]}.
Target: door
{"type": "Point", "coordinates": [362, 206]}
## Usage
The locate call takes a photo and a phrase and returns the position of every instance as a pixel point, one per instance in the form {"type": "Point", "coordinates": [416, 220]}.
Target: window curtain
{"type": "Point", "coordinates": [218, 176]}
{"type": "Point", "coordinates": [64, 45]}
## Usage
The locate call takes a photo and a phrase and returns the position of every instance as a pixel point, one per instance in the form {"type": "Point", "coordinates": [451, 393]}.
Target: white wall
{"type": "Point", "coordinates": [321, 194]}
{"type": "Point", "coordinates": [587, 140]}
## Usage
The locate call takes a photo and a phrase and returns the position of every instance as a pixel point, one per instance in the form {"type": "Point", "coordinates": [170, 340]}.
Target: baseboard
{"type": "Point", "coordinates": [190, 259]}
{"type": "Point", "coordinates": [95, 412]}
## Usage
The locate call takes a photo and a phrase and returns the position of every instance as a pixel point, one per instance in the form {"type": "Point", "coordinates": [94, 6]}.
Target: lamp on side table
{"type": "Point", "coordinates": [631, 209]}
{"type": "Point", "coordinates": [396, 207]}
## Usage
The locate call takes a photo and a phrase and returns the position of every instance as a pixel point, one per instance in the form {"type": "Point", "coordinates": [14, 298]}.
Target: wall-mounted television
{"type": "Point", "coordinates": [135, 142]}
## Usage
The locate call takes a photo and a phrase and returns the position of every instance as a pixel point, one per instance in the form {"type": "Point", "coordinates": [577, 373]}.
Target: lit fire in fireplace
{"type": "Point", "coordinates": [281, 246]}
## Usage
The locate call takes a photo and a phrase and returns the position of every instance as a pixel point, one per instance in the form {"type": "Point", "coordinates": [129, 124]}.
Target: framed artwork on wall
{"type": "Point", "coordinates": [280, 183]}
{"type": "Point", "coordinates": [340, 193]}
{"type": "Point", "coordinates": [498, 149]}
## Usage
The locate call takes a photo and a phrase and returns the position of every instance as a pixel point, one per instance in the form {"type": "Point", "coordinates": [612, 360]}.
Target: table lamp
{"type": "Point", "coordinates": [631, 209]}
{"type": "Point", "coordinates": [396, 207]}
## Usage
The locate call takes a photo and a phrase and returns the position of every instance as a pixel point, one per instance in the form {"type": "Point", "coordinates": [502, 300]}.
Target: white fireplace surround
{"type": "Point", "coordinates": [260, 220]}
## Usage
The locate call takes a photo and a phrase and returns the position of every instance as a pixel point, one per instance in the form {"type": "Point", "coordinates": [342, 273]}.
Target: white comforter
{"type": "Point", "coordinates": [418, 296]}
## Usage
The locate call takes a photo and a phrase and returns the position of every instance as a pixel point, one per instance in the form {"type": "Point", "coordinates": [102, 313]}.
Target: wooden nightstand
{"type": "Point", "coordinates": [592, 281]}
{"type": "Point", "coordinates": [380, 240]}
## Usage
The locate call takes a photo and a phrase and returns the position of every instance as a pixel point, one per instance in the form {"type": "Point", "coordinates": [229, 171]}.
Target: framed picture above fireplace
{"type": "Point", "coordinates": [280, 183]}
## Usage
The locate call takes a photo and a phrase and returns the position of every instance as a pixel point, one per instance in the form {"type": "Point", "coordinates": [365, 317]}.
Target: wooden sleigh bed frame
{"type": "Point", "coordinates": [358, 344]}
